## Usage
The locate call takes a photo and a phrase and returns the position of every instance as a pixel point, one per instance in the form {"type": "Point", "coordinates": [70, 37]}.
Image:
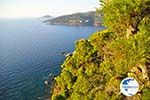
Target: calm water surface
{"type": "Point", "coordinates": [29, 52]}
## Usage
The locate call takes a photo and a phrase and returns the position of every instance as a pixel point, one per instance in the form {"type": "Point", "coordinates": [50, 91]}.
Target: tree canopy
{"type": "Point", "coordinates": [123, 15]}
{"type": "Point", "coordinates": [102, 61]}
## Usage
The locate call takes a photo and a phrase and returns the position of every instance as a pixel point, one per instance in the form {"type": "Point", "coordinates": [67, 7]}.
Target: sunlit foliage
{"type": "Point", "coordinates": [98, 64]}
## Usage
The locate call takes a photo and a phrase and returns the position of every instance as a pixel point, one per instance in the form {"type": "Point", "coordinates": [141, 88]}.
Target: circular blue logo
{"type": "Point", "coordinates": [129, 86]}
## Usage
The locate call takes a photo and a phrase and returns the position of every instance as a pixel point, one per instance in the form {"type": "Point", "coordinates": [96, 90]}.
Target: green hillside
{"type": "Point", "coordinates": [88, 18]}
{"type": "Point", "coordinates": [102, 61]}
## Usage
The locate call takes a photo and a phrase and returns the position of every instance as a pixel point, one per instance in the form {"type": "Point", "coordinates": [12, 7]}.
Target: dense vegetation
{"type": "Point", "coordinates": [98, 64]}
{"type": "Point", "coordinates": [87, 18]}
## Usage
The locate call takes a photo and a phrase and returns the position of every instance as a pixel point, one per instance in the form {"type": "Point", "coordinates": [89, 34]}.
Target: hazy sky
{"type": "Point", "coordinates": [37, 8]}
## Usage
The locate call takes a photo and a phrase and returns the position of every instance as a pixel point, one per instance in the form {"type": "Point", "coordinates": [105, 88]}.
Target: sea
{"type": "Point", "coordinates": [30, 51]}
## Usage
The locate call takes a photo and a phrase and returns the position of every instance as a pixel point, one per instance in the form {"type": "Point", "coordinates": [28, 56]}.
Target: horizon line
{"type": "Point", "coordinates": [34, 17]}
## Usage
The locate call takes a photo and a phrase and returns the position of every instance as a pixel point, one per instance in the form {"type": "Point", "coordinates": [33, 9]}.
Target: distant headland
{"type": "Point", "coordinates": [90, 18]}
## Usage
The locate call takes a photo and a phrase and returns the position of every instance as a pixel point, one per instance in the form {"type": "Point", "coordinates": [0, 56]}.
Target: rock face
{"type": "Point", "coordinates": [78, 19]}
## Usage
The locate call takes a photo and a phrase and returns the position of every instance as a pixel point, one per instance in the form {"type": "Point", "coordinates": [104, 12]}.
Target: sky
{"type": "Point", "coordinates": [38, 8]}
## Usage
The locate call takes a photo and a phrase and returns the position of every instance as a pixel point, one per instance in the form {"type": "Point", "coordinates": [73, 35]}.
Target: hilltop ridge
{"type": "Point", "coordinates": [77, 19]}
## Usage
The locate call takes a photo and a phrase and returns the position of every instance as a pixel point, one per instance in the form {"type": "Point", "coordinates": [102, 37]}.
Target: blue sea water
{"type": "Point", "coordinates": [29, 52]}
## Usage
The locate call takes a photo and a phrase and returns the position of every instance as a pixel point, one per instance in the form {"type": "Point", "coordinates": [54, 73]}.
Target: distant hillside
{"type": "Point", "coordinates": [88, 18]}
{"type": "Point", "coordinates": [45, 17]}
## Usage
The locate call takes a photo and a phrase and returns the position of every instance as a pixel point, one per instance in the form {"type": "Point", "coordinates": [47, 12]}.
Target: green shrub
{"type": "Point", "coordinates": [99, 63]}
